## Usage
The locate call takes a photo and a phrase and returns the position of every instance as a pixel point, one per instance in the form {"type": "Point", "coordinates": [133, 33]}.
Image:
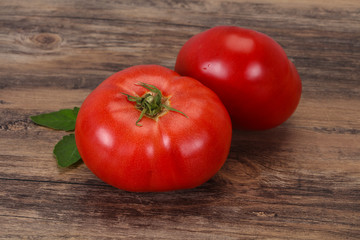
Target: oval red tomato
{"type": "Point", "coordinates": [248, 70]}
{"type": "Point", "coordinates": [169, 151]}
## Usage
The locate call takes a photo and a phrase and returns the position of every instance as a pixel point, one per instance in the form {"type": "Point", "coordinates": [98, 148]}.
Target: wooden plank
{"type": "Point", "coordinates": [94, 211]}
{"type": "Point", "coordinates": [119, 35]}
{"type": "Point", "coordinates": [292, 177]}
{"type": "Point", "coordinates": [300, 180]}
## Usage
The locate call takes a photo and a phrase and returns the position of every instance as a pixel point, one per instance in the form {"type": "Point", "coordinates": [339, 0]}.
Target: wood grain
{"type": "Point", "coordinates": [300, 180]}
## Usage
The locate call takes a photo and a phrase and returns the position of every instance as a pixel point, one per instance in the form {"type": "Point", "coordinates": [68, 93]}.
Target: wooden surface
{"type": "Point", "coordinates": [300, 180]}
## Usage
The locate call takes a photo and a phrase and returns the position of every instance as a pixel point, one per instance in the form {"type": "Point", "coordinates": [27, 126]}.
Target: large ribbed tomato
{"type": "Point", "coordinates": [248, 70]}
{"type": "Point", "coordinates": [181, 141]}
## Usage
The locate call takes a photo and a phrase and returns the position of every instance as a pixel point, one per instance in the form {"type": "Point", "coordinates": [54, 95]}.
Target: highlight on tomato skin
{"type": "Point", "coordinates": [177, 146]}
{"type": "Point", "coordinates": [248, 70]}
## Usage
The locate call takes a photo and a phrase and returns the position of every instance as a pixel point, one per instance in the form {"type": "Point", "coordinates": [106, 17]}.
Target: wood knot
{"type": "Point", "coordinates": [264, 214]}
{"type": "Point", "coordinates": [46, 40]}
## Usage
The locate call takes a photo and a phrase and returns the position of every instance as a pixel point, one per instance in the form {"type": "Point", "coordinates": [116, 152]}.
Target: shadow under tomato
{"type": "Point", "coordinates": [234, 187]}
{"type": "Point", "coordinates": [254, 152]}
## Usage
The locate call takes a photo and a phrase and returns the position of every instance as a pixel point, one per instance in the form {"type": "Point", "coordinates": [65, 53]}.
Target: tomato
{"type": "Point", "coordinates": [177, 146]}
{"type": "Point", "coordinates": [248, 70]}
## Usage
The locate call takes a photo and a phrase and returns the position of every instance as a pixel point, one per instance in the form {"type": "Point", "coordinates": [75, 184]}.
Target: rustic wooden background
{"type": "Point", "coordinates": [300, 180]}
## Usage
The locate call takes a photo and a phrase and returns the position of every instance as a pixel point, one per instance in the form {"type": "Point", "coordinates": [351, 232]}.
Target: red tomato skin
{"type": "Point", "coordinates": [171, 153]}
{"type": "Point", "coordinates": [248, 70]}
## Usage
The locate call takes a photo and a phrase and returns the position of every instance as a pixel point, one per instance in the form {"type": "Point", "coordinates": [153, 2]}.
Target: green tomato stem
{"type": "Point", "coordinates": [152, 104]}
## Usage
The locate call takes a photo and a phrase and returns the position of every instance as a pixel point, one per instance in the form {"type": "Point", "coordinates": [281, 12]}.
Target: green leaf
{"type": "Point", "coordinates": [64, 119]}
{"type": "Point", "coordinates": [66, 152]}
{"type": "Point", "coordinates": [76, 111]}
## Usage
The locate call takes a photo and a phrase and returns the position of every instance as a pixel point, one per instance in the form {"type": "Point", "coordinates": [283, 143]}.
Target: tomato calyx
{"type": "Point", "coordinates": [152, 104]}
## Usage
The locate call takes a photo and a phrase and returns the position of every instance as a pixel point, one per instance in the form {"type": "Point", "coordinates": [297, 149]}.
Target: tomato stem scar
{"type": "Point", "coordinates": [152, 104]}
